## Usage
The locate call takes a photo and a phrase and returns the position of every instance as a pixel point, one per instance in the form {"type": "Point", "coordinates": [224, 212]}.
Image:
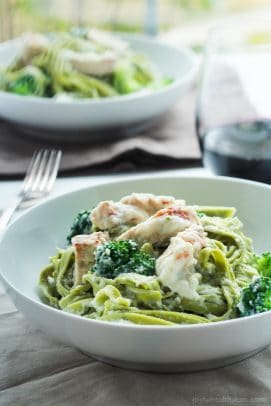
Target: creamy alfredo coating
{"type": "Point", "coordinates": [175, 268]}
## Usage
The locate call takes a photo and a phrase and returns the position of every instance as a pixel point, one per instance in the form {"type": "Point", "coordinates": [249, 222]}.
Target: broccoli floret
{"type": "Point", "coordinates": [27, 81]}
{"type": "Point", "coordinates": [24, 85]}
{"type": "Point", "coordinates": [124, 78]}
{"type": "Point", "coordinates": [263, 264]}
{"type": "Point", "coordinates": [81, 224]}
{"type": "Point", "coordinates": [255, 298]}
{"type": "Point", "coordinates": [116, 257]}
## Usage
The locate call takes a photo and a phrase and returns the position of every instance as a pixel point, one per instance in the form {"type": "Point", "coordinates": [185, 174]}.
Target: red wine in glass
{"type": "Point", "coordinates": [241, 149]}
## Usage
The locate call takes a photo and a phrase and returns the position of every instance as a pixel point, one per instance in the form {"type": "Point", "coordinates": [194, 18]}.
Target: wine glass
{"type": "Point", "coordinates": [233, 116]}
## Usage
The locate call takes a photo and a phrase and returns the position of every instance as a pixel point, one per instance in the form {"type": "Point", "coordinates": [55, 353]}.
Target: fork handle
{"type": "Point", "coordinates": [8, 213]}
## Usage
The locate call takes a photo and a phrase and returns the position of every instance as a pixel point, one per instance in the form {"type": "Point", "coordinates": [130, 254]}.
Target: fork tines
{"type": "Point", "coordinates": [42, 171]}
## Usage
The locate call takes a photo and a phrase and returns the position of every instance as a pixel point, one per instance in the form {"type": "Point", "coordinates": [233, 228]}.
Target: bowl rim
{"type": "Point", "coordinates": [113, 324]}
{"type": "Point", "coordinates": [186, 78]}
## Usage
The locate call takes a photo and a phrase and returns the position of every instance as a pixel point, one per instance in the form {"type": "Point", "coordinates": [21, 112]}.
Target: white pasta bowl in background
{"type": "Point", "coordinates": [37, 113]}
{"type": "Point", "coordinates": [32, 238]}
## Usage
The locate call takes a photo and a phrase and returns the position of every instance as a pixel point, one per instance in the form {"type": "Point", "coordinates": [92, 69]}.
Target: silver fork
{"type": "Point", "coordinates": [38, 182]}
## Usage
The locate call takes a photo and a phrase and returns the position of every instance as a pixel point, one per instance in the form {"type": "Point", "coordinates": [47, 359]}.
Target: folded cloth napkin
{"type": "Point", "coordinates": [169, 143]}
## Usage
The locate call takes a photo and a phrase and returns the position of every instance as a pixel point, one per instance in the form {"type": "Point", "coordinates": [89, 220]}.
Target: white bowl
{"type": "Point", "coordinates": [29, 241]}
{"type": "Point", "coordinates": [99, 114]}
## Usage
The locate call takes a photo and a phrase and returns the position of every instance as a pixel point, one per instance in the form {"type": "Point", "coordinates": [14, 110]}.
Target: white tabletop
{"type": "Point", "coordinates": [8, 189]}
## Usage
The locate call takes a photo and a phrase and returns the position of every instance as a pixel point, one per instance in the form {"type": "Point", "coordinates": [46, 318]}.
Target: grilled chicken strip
{"type": "Point", "coordinates": [33, 45]}
{"type": "Point", "coordinates": [175, 268]}
{"type": "Point", "coordinates": [163, 225]}
{"type": "Point", "coordinates": [92, 63]}
{"type": "Point", "coordinates": [108, 215]}
{"type": "Point", "coordinates": [85, 245]}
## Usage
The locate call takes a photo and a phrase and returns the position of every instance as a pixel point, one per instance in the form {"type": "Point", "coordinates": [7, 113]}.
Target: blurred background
{"type": "Point", "coordinates": [182, 21]}
{"type": "Point", "coordinates": [237, 138]}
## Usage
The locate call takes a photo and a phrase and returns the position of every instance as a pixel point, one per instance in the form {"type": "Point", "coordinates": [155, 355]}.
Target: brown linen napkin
{"type": "Point", "coordinates": [169, 142]}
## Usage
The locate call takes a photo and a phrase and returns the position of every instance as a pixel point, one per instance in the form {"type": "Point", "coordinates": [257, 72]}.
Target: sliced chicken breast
{"type": "Point", "coordinates": [85, 246]}
{"type": "Point", "coordinates": [163, 225]}
{"type": "Point", "coordinates": [92, 63]}
{"type": "Point", "coordinates": [33, 45]}
{"type": "Point", "coordinates": [175, 268]}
